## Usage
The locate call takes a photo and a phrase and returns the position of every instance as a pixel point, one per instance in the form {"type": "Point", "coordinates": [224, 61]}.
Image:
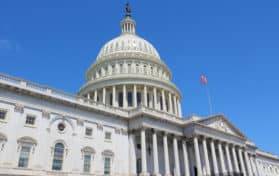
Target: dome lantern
{"type": "Point", "coordinates": [128, 25]}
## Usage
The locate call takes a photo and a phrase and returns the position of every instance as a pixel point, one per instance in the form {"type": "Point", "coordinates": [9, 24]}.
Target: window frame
{"type": "Point", "coordinates": [110, 136]}
{"type": "Point", "coordinates": [91, 134]}
{"type": "Point", "coordinates": [110, 165]}
{"type": "Point", "coordinates": [57, 158]}
{"type": "Point", "coordinates": [88, 163]}
{"type": "Point", "coordinates": [20, 156]}
{"type": "Point", "coordinates": [5, 112]}
{"type": "Point", "coordinates": [27, 122]}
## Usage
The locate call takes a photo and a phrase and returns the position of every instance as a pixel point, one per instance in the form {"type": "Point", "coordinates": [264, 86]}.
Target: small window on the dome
{"type": "Point", "coordinates": [145, 47]}
{"type": "Point", "coordinates": [140, 48]}
{"type": "Point", "coordinates": [145, 69]}
{"type": "Point", "coordinates": [129, 68]}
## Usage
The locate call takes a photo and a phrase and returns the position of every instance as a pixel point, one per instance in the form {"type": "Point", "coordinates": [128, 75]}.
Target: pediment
{"type": "Point", "coordinates": [221, 123]}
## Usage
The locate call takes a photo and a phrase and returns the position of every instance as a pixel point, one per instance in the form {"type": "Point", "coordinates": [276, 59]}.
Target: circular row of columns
{"type": "Point", "coordinates": [173, 102]}
{"type": "Point", "coordinates": [248, 166]}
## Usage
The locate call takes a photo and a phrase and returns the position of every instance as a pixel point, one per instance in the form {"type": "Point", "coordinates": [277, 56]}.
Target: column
{"type": "Point", "coordinates": [174, 105]}
{"type": "Point", "coordinates": [241, 162]}
{"type": "Point", "coordinates": [135, 96]}
{"type": "Point", "coordinates": [197, 156]}
{"type": "Point", "coordinates": [143, 153]}
{"type": "Point", "coordinates": [176, 158]}
{"type": "Point", "coordinates": [179, 108]}
{"type": "Point", "coordinates": [104, 95]}
{"type": "Point", "coordinates": [95, 95]}
{"type": "Point", "coordinates": [164, 100]}
{"type": "Point", "coordinates": [166, 155]}
{"type": "Point", "coordinates": [185, 156]}
{"type": "Point", "coordinates": [125, 105]}
{"type": "Point", "coordinates": [248, 164]}
{"type": "Point", "coordinates": [155, 154]}
{"type": "Point", "coordinates": [145, 96]}
{"type": "Point", "coordinates": [254, 170]}
{"type": "Point", "coordinates": [170, 103]}
{"type": "Point", "coordinates": [206, 156]}
{"type": "Point", "coordinates": [88, 96]}
{"type": "Point", "coordinates": [155, 98]}
{"type": "Point", "coordinates": [223, 168]}
{"type": "Point", "coordinates": [257, 166]}
{"type": "Point", "coordinates": [215, 166]}
{"type": "Point", "coordinates": [230, 169]}
{"type": "Point", "coordinates": [235, 160]}
{"type": "Point", "coordinates": [132, 155]}
{"type": "Point", "coordinates": [113, 96]}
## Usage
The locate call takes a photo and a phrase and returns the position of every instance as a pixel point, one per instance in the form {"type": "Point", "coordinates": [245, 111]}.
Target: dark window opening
{"type": "Point", "coordinates": [130, 102]}
{"type": "Point", "coordinates": [110, 99]}
{"type": "Point", "coordinates": [138, 98]}
{"type": "Point", "coordinates": [120, 99]}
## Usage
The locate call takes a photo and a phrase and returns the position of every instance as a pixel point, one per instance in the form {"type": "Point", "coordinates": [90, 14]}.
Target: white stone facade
{"type": "Point", "coordinates": [126, 120]}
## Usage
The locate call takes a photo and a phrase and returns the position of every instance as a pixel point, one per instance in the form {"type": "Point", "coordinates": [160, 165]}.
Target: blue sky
{"type": "Point", "coordinates": [235, 43]}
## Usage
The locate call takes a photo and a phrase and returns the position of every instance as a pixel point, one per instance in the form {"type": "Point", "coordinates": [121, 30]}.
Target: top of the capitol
{"type": "Point", "coordinates": [128, 43]}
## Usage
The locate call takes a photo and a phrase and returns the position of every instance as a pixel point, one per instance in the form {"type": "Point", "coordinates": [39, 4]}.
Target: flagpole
{"type": "Point", "coordinates": [209, 100]}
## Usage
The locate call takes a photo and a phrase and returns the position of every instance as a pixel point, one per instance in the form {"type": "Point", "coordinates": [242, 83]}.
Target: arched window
{"type": "Point", "coordinates": [58, 157]}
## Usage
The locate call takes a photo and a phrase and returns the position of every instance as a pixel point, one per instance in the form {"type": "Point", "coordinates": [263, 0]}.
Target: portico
{"type": "Point", "coordinates": [166, 151]}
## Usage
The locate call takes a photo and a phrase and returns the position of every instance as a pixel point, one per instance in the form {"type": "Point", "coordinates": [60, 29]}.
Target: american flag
{"type": "Point", "coordinates": [203, 79]}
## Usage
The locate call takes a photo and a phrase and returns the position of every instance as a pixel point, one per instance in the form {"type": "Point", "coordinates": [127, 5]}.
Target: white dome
{"type": "Point", "coordinates": [128, 43]}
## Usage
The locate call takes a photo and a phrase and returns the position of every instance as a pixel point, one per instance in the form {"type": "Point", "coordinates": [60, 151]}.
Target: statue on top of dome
{"type": "Point", "coordinates": [128, 10]}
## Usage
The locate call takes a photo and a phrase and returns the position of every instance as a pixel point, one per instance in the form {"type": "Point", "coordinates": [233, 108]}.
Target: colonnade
{"type": "Point", "coordinates": [232, 159]}
{"type": "Point", "coordinates": [126, 96]}
{"type": "Point", "coordinates": [211, 157]}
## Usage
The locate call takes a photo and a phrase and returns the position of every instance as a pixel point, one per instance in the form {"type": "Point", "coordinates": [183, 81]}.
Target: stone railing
{"type": "Point", "coordinates": [54, 93]}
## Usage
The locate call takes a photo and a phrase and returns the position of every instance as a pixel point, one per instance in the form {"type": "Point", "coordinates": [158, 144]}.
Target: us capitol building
{"type": "Point", "coordinates": [126, 120]}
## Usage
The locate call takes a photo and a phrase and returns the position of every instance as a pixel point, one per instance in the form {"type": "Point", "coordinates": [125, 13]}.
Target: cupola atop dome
{"type": "Point", "coordinates": [128, 25]}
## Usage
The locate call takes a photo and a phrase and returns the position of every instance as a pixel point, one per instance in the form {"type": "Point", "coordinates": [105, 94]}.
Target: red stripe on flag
{"type": "Point", "coordinates": [203, 79]}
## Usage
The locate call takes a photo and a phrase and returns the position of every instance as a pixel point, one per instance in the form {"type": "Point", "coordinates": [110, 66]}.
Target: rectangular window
{"type": "Point", "coordinates": [120, 99]}
{"type": "Point", "coordinates": [86, 163]}
{"type": "Point", "coordinates": [130, 101]}
{"type": "Point", "coordinates": [30, 120]}
{"type": "Point", "coordinates": [107, 166]}
{"type": "Point", "coordinates": [24, 156]}
{"type": "Point", "coordinates": [108, 135]}
{"type": "Point", "coordinates": [3, 114]}
{"type": "Point", "coordinates": [88, 131]}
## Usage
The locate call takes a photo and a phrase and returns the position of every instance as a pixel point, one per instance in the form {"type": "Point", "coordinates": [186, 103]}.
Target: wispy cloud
{"type": "Point", "coordinates": [9, 45]}
{"type": "Point", "coordinates": [5, 44]}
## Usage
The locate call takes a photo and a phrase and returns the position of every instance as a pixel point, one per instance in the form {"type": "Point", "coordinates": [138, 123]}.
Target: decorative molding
{"type": "Point", "coordinates": [46, 114]}
{"type": "Point", "coordinates": [19, 108]}
{"type": "Point", "coordinates": [117, 130]}
{"type": "Point", "coordinates": [99, 126]}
